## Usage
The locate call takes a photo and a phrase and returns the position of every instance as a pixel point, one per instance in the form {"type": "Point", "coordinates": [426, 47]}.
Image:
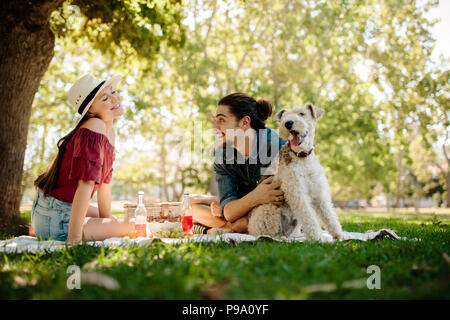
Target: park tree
{"type": "Point", "coordinates": [434, 90]}
{"type": "Point", "coordinates": [415, 92]}
{"type": "Point", "coordinates": [429, 170]}
{"type": "Point", "coordinates": [28, 28]}
{"type": "Point", "coordinates": [342, 56]}
{"type": "Point", "coordinates": [431, 143]}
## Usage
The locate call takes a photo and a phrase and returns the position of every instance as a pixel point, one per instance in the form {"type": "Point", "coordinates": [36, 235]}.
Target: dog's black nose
{"type": "Point", "coordinates": [289, 124]}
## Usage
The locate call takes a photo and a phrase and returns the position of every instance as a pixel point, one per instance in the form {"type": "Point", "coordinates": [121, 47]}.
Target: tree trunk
{"type": "Point", "coordinates": [163, 157]}
{"type": "Point", "coordinates": [398, 190]}
{"type": "Point", "coordinates": [274, 75]}
{"type": "Point", "coordinates": [388, 201]}
{"type": "Point", "coordinates": [42, 151]}
{"type": "Point", "coordinates": [448, 187]}
{"type": "Point", "coordinates": [415, 202]}
{"type": "Point", "coordinates": [26, 49]}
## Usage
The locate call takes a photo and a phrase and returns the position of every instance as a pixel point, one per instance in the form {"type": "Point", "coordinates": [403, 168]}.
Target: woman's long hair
{"type": "Point", "coordinates": [49, 179]}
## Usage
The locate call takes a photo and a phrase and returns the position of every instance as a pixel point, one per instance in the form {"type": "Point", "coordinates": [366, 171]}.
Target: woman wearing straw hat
{"type": "Point", "coordinates": [82, 167]}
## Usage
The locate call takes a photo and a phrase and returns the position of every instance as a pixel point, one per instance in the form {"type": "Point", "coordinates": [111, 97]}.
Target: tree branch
{"type": "Point", "coordinates": [244, 56]}
{"type": "Point", "coordinates": [205, 53]}
{"type": "Point", "coordinates": [444, 145]}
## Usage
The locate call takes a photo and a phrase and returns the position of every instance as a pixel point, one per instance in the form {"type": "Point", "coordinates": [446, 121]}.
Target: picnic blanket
{"type": "Point", "coordinates": [32, 244]}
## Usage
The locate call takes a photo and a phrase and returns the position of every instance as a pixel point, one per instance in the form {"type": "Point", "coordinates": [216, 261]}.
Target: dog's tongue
{"type": "Point", "coordinates": [295, 141]}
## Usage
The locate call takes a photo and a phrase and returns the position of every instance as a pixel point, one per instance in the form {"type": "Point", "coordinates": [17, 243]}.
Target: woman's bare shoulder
{"type": "Point", "coordinates": [95, 124]}
{"type": "Point", "coordinates": [112, 137]}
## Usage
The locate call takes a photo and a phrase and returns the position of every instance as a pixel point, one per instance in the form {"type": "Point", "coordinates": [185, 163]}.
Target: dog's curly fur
{"type": "Point", "coordinates": [303, 181]}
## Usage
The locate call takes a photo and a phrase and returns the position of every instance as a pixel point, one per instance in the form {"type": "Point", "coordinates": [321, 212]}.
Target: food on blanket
{"type": "Point", "coordinates": [171, 233]}
{"type": "Point", "coordinates": [166, 229]}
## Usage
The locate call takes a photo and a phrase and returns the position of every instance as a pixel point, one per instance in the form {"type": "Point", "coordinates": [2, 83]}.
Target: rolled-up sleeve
{"type": "Point", "coordinates": [226, 188]}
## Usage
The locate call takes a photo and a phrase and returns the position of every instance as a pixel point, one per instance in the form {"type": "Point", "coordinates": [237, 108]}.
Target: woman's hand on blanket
{"type": "Point", "coordinates": [73, 241]}
{"type": "Point", "coordinates": [112, 217]}
{"type": "Point", "coordinates": [268, 192]}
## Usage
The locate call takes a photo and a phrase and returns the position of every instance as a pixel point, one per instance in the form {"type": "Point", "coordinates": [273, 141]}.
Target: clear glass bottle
{"type": "Point", "coordinates": [186, 220]}
{"type": "Point", "coordinates": [140, 222]}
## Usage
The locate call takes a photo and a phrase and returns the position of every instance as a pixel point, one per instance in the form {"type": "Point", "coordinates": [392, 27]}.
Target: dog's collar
{"type": "Point", "coordinates": [300, 154]}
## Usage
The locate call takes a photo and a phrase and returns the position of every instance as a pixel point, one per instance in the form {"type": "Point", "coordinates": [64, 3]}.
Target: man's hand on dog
{"type": "Point", "coordinates": [268, 192]}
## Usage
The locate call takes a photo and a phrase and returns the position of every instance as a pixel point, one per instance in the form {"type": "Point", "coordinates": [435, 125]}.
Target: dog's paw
{"type": "Point", "coordinates": [338, 236]}
{"type": "Point", "coordinates": [323, 238]}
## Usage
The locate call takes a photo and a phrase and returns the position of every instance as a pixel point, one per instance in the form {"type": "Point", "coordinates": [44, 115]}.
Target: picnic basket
{"type": "Point", "coordinates": [157, 212]}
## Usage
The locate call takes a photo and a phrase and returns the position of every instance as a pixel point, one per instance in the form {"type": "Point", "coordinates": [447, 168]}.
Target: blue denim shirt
{"type": "Point", "coordinates": [236, 175]}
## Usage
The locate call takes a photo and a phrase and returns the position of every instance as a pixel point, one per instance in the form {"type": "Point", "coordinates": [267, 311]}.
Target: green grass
{"type": "Point", "coordinates": [260, 270]}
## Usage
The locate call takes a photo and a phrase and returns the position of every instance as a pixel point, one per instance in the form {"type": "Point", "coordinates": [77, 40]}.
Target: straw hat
{"type": "Point", "coordinates": [83, 92]}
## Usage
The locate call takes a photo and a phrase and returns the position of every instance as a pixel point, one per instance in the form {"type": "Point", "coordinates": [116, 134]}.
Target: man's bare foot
{"type": "Point", "coordinates": [239, 226]}
{"type": "Point", "coordinates": [215, 209]}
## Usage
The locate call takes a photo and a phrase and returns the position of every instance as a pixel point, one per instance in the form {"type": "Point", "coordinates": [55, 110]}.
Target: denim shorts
{"type": "Point", "coordinates": [50, 217]}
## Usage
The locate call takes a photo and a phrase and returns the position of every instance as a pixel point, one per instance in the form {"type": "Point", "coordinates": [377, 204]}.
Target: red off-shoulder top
{"type": "Point", "coordinates": [89, 156]}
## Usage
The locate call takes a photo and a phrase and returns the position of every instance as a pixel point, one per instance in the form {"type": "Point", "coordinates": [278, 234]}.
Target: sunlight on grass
{"type": "Point", "coordinates": [406, 214]}
{"type": "Point", "coordinates": [258, 270]}
{"type": "Point", "coordinates": [409, 214]}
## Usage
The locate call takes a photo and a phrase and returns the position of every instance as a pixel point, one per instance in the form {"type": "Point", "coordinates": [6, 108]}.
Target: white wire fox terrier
{"type": "Point", "coordinates": [303, 180]}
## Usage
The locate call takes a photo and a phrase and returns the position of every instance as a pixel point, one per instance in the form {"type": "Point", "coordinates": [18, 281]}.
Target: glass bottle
{"type": "Point", "coordinates": [186, 220]}
{"type": "Point", "coordinates": [140, 222]}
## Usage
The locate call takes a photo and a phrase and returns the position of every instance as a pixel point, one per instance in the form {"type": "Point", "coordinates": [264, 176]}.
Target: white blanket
{"type": "Point", "coordinates": [32, 244]}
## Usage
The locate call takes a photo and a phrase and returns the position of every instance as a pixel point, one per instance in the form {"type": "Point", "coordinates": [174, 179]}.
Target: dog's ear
{"type": "Point", "coordinates": [279, 115]}
{"type": "Point", "coordinates": [316, 113]}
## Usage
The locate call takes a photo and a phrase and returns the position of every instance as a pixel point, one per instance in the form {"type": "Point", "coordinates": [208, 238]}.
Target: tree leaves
{"type": "Point", "coordinates": [366, 63]}
{"type": "Point", "coordinates": [125, 28]}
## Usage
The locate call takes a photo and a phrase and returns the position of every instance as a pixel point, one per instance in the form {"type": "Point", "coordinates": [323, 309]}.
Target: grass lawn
{"type": "Point", "coordinates": [261, 270]}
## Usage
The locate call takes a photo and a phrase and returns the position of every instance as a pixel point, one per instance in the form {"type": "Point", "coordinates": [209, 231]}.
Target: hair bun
{"type": "Point", "coordinates": [264, 109]}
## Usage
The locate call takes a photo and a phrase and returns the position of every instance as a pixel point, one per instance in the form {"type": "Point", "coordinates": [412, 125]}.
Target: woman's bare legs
{"type": "Point", "coordinates": [98, 229]}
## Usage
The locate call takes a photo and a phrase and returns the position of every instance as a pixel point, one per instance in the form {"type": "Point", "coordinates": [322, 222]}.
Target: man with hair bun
{"type": "Point", "coordinates": [243, 158]}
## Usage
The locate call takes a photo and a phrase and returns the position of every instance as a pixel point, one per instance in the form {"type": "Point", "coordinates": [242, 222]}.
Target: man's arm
{"type": "Point", "coordinates": [236, 209]}
{"type": "Point", "coordinates": [265, 192]}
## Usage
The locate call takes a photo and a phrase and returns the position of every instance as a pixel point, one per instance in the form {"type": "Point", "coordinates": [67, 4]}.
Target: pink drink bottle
{"type": "Point", "coordinates": [140, 223]}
